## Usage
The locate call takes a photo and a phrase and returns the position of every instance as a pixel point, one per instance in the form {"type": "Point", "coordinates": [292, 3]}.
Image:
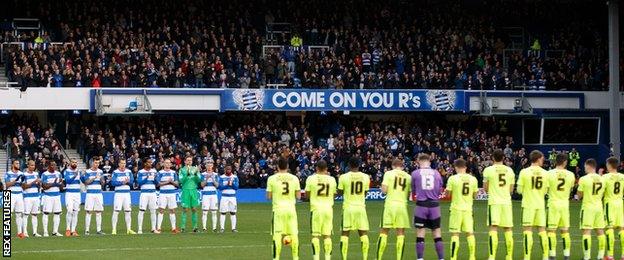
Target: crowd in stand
{"type": "Point", "coordinates": [370, 44]}
{"type": "Point", "coordinates": [26, 139]}
{"type": "Point", "coordinates": [251, 143]}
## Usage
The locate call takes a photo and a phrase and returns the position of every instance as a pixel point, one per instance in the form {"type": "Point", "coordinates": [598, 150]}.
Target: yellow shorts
{"type": "Point", "coordinates": [461, 221]}
{"type": "Point", "coordinates": [284, 222]}
{"type": "Point", "coordinates": [614, 213]}
{"type": "Point", "coordinates": [354, 218]}
{"type": "Point", "coordinates": [592, 218]}
{"type": "Point", "coordinates": [558, 217]}
{"type": "Point", "coordinates": [533, 217]}
{"type": "Point", "coordinates": [322, 222]}
{"type": "Point", "coordinates": [395, 216]}
{"type": "Point", "coordinates": [500, 215]}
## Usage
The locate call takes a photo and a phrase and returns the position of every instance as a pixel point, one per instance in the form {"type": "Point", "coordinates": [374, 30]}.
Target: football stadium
{"type": "Point", "coordinates": [316, 129]}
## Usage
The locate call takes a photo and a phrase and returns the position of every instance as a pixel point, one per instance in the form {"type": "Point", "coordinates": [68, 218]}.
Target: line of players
{"type": "Point", "coordinates": [602, 209]}
{"type": "Point", "coordinates": [26, 198]}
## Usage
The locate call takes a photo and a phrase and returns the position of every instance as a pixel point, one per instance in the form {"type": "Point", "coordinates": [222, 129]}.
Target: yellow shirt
{"type": "Point", "coordinates": [592, 186]}
{"type": "Point", "coordinates": [614, 183]}
{"type": "Point", "coordinates": [462, 186]}
{"type": "Point", "coordinates": [499, 178]}
{"type": "Point", "coordinates": [399, 185]}
{"type": "Point", "coordinates": [533, 185]}
{"type": "Point", "coordinates": [283, 188]}
{"type": "Point", "coordinates": [354, 186]}
{"type": "Point", "coordinates": [560, 185]}
{"type": "Point", "coordinates": [322, 188]}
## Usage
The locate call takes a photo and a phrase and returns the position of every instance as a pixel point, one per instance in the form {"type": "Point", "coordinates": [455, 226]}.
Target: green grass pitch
{"type": "Point", "coordinates": [253, 240]}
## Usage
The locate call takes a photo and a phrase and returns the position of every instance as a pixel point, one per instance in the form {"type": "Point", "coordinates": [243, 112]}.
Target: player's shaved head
{"type": "Point", "coordinates": [321, 166]}
{"type": "Point", "coordinates": [498, 155]}
{"type": "Point", "coordinates": [535, 156]}
{"type": "Point", "coordinates": [612, 163]}
{"type": "Point", "coordinates": [354, 163]}
{"type": "Point", "coordinates": [561, 159]}
{"type": "Point", "coordinates": [423, 157]}
{"type": "Point", "coordinates": [282, 164]}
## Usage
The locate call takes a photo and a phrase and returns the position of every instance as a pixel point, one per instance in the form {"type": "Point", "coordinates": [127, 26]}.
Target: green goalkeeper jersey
{"type": "Point", "coordinates": [189, 177]}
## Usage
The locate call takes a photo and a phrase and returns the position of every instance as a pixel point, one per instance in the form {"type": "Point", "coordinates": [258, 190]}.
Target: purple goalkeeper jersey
{"type": "Point", "coordinates": [426, 184]}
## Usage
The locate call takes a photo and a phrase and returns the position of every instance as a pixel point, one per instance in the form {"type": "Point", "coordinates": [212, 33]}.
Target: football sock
{"type": "Point", "coordinates": [115, 216]}
{"type": "Point", "coordinates": [622, 242]}
{"type": "Point", "coordinates": [35, 223]}
{"type": "Point", "coordinates": [128, 218]}
{"type": "Point", "coordinates": [544, 243]}
{"type": "Point", "coordinates": [316, 246]}
{"type": "Point", "coordinates": [602, 243]}
{"type": "Point", "coordinates": [214, 219]}
{"type": "Point", "coordinates": [277, 246]}
{"type": "Point", "coordinates": [56, 222]}
{"type": "Point", "coordinates": [194, 219]}
{"type": "Point", "coordinates": [44, 220]}
{"type": "Point", "coordinates": [567, 243]}
{"type": "Point", "coordinates": [204, 218]}
{"type": "Point", "coordinates": [68, 220]}
{"type": "Point", "coordinates": [454, 247]}
{"type": "Point", "coordinates": [159, 220]}
{"type": "Point", "coordinates": [25, 223]}
{"type": "Point", "coordinates": [400, 246]}
{"type": "Point", "coordinates": [233, 220]}
{"type": "Point", "coordinates": [420, 247]}
{"type": "Point", "coordinates": [552, 244]}
{"type": "Point", "coordinates": [87, 221]}
{"type": "Point", "coordinates": [74, 221]}
{"type": "Point", "coordinates": [327, 246]}
{"type": "Point", "coordinates": [509, 244]}
{"type": "Point", "coordinates": [439, 246]}
{"type": "Point", "coordinates": [610, 236]}
{"type": "Point", "coordinates": [472, 246]}
{"type": "Point", "coordinates": [183, 222]}
{"type": "Point", "coordinates": [528, 244]}
{"type": "Point", "coordinates": [365, 244]}
{"type": "Point", "coordinates": [98, 221]}
{"type": "Point", "coordinates": [222, 221]}
{"type": "Point", "coordinates": [295, 246]}
{"type": "Point", "coordinates": [344, 246]}
{"type": "Point", "coordinates": [153, 218]}
{"type": "Point", "coordinates": [586, 247]}
{"type": "Point", "coordinates": [140, 220]}
{"type": "Point", "coordinates": [493, 244]}
{"type": "Point", "coordinates": [18, 222]}
{"type": "Point", "coordinates": [381, 245]}
{"type": "Point", "coordinates": [172, 218]}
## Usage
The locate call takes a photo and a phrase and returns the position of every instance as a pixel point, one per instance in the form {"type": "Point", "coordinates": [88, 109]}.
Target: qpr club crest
{"type": "Point", "coordinates": [441, 100]}
{"type": "Point", "coordinates": [248, 99]}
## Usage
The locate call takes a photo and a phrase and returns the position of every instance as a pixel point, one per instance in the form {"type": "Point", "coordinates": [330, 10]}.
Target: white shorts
{"type": "Point", "coordinates": [31, 205]}
{"type": "Point", "coordinates": [209, 202]}
{"type": "Point", "coordinates": [167, 200]}
{"type": "Point", "coordinates": [121, 201]}
{"type": "Point", "coordinates": [72, 201]}
{"type": "Point", "coordinates": [51, 204]}
{"type": "Point", "coordinates": [148, 200]}
{"type": "Point", "coordinates": [94, 202]}
{"type": "Point", "coordinates": [17, 203]}
{"type": "Point", "coordinates": [227, 204]}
